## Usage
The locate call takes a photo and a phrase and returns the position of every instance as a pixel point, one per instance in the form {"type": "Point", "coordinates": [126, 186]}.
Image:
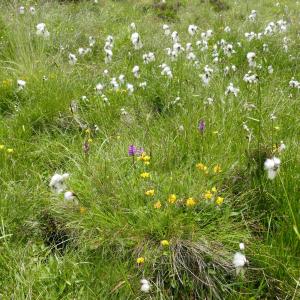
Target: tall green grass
{"type": "Point", "coordinates": [53, 250]}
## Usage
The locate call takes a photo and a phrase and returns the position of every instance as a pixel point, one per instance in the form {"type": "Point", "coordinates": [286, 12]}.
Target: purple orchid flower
{"type": "Point", "coordinates": [132, 150]}
{"type": "Point", "coordinates": [201, 126]}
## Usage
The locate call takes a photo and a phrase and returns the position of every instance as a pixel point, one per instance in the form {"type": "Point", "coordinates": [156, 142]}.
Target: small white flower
{"type": "Point", "coordinates": [105, 99]}
{"type": "Point", "coordinates": [136, 41]}
{"type": "Point", "coordinates": [270, 70]}
{"type": "Point", "coordinates": [272, 166]}
{"type": "Point", "coordinates": [99, 88]}
{"type": "Point", "coordinates": [132, 26]}
{"type": "Point", "coordinates": [294, 83]}
{"type": "Point", "coordinates": [231, 89]}
{"type": "Point", "coordinates": [145, 286]}
{"type": "Point", "coordinates": [192, 29]}
{"type": "Point", "coordinates": [251, 59]}
{"type": "Point", "coordinates": [175, 37]}
{"type": "Point", "coordinates": [227, 29]}
{"type": "Point", "coordinates": [92, 41]}
{"type": "Point", "coordinates": [148, 57]}
{"type": "Point", "coordinates": [239, 260]}
{"type": "Point", "coordinates": [72, 59]}
{"type": "Point", "coordinates": [228, 49]}
{"type": "Point", "coordinates": [166, 29]}
{"type": "Point", "coordinates": [114, 83]}
{"type": "Point", "coordinates": [181, 128]}
{"type": "Point", "coordinates": [108, 55]}
{"type": "Point", "coordinates": [41, 30]}
{"type": "Point", "coordinates": [69, 196]}
{"type": "Point", "coordinates": [122, 78]}
{"type": "Point", "coordinates": [242, 246]}
{"type": "Point", "coordinates": [178, 48]}
{"type": "Point", "coordinates": [21, 10]}
{"type": "Point", "coordinates": [207, 35]}
{"type": "Point", "coordinates": [143, 85]}
{"type": "Point", "coordinates": [110, 40]}
{"type": "Point", "coordinates": [57, 182]}
{"type": "Point", "coordinates": [202, 45]}
{"type": "Point", "coordinates": [281, 147]}
{"type": "Point", "coordinates": [166, 70]}
{"type": "Point", "coordinates": [207, 75]}
{"type": "Point", "coordinates": [250, 36]}
{"type": "Point", "coordinates": [265, 47]}
{"type": "Point", "coordinates": [32, 10]}
{"type": "Point", "coordinates": [21, 84]}
{"type": "Point", "coordinates": [130, 88]}
{"type": "Point", "coordinates": [250, 78]}
{"type": "Point", "coordinates": [209, 101]}
{"type": "Point", "coordinates": [136, 71]}
{"type": "Point", "coordinates": [191, 56]}
{"type": "Point", "coordinates": [84, 51]}
{"type": "Point", "coordinates": [253, 15]}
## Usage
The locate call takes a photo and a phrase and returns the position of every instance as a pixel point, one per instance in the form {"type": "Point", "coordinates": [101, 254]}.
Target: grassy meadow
{"type": "Point", "coordinates": [177, 169]}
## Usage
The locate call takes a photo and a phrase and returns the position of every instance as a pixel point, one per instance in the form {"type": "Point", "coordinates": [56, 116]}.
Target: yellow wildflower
{"type": "Point", "coordinates": [165, 243]}
{"type": "Point", "coordinates": [82, 210]}
{"type": "Point", "coordinates": [217, 169]}
{"type": "Point", "coordinates": [208, 195]}
{"type": "Point", "coordinates": [157, 204]}
{"type": "Point", "coordinates": [144, 157]}
{"type": "Point", "coordinates": [150, 192]}
{"type": "Point", "coordinates": [201, 167]}
{"type": "Point", "coordinates": [172, 198]}
{"type": "Point", "coordinates": [145, 175]}
{"type": "Point", "coordinates": [140, 260]}
{"type": "Point", "coordinates": [2, 147]}
{"type": "Point", "coordinates": [10, 150]}
{"type": "Point", "coordinates": [219, 200]}
{"type": "Point", "coordinates": [90, 141]}
{"type": "Point", "coordinates": [214, 189]}
{"type": "Point", "coordinates": [190, 202]}
{"type": "Point", "coordinates": [277, 127]}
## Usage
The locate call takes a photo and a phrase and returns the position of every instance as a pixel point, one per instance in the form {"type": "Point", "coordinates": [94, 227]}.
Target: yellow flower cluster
{"type": "Point", "coordinates": [8, 150]}
{"type": "Point", "coordinates": [157, 204]}
{"type": "Point", "coordinates": [145, 158]}
{"type": "Point", "coordinates": [204, 168]}
{"type": "Point", "coordinates": [165, 243]}
{"type": "Point", "coordinates": [190, 202]}
{"type": "Point", "coordinates": [219, 200]}
{"type": "Point", "coordinates": [217, 169]}
{"type": "Point", "coordinates": [140, 260]}
{"type": "Point", "coordinates": [172, 198]}
{"type": "Point", "coordinates": [145, 175]}
{"type": "Point", "coordinates": [150, 192]}
{"type": "Point", "coordinates": [211, 195]}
